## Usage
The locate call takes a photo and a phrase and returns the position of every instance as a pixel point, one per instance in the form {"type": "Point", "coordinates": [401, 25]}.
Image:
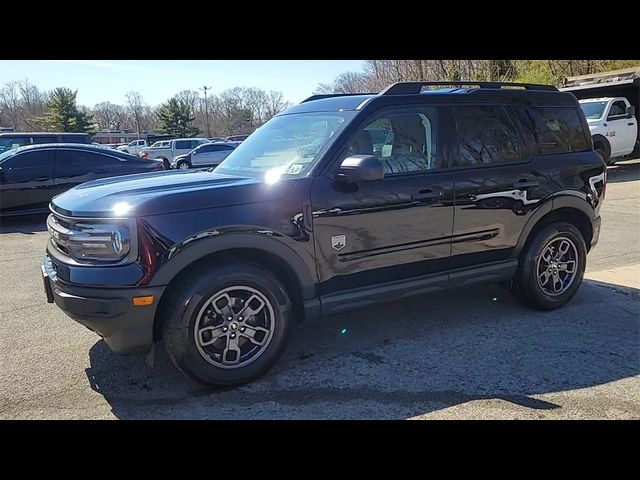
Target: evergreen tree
{"type": "Point", "coordinates": [64, 115]}
{"type": "Point", "coordinates": [175, 117]}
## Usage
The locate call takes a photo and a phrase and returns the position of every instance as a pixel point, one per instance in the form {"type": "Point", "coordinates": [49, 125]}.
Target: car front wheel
{"type": "Point", "coordinates": [552, 267]}
{"type": "Point", "coordinates": [227, 325]}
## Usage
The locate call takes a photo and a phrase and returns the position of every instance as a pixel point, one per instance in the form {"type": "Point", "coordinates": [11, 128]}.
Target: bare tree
{"type": "Point", "coordinates": [136, 108]}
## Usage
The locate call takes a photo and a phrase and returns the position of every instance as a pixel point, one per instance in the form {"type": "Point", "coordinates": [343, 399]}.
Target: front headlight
{"type": "Point", "coordinates": [99, 242]}
{"type": "Point", "coordinates": [85, 240]}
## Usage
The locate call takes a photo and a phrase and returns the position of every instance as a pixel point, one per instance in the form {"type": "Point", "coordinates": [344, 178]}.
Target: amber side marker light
{"type": "Point", "coordinates": [140, 301]}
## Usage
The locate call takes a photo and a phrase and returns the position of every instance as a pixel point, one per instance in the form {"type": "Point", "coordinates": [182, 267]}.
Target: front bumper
{"type": "Point", "coordinates": [109, 312]}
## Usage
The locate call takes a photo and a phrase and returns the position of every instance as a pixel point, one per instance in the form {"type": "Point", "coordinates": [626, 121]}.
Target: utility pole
{"type": "Point", "coordinates": [206, 110]}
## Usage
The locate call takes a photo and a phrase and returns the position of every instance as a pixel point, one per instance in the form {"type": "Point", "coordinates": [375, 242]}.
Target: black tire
{"type": "Point", "coordinates": [603, 147]}
{"type": "Point", "coordinates": [526, 287]}
{"type": "Point", "coordinates": [182, 164]}
{"type": "Point", "coordinates": [165, 163]}
{"type": "Point", "coordinates": [191, 296]}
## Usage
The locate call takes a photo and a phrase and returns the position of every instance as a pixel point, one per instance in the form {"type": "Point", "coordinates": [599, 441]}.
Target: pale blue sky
{"type": "Point", "coordinates": [158, 80]}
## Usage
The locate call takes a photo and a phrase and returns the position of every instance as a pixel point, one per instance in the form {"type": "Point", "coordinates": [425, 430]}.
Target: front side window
{"type": "Point", "coordinates": [618, 110]}
{"type": "Point", "coordinates": [287, 146]}
{"type": "Point", "coordinates": [486, 136]}
{"type": "Point", "coordinates": [7, 143]}
{"type": "Point", "coordinates": [406, 141]}
{"type": "Point", "coordinates": [28, 166]}
{"type": "Point", "coordinates": [556, 129]}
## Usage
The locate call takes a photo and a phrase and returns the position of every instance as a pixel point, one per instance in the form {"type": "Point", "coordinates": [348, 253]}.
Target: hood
{"type": "Point", "coordinates": [164, 192]}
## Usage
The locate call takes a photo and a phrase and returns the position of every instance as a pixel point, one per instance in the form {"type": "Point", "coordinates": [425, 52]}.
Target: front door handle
{"type": "Point", "coordinates": [525, 183]}
{"type": "Point", "coordinates": [631, 124]}
{"type": "Point", "coordinates": [427, 193]}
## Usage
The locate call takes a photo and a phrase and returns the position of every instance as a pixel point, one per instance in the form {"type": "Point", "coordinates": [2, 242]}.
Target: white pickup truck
{"type": "Point", "coordinates": [133, 147]}
{"type": "Point", "coordinates": [613, 126]}
{"type": "Point", "coordinates": [171, 149]}
{"type": "Point", "coordinates": [610, 101]}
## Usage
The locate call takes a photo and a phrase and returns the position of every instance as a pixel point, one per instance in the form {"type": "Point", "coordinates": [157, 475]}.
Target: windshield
{"type": "Point", "coordinates": [286, 146]}
{"type": "Point", "coordinates": [593, 110]}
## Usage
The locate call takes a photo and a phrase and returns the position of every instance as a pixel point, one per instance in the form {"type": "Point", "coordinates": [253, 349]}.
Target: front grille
{"type": "Point", "coordinates": [60, 229]}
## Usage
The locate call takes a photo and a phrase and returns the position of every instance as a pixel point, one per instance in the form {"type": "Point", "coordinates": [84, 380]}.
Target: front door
{"type": "Point", "coordinates": [26, 181]}
{"type": "Point", "coordinates": [400, 227]}
{"type": "Point", "coordinates": [621, 129]}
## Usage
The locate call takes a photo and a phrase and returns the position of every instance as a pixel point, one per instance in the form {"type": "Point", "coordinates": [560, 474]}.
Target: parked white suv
{"type": "Point", "coordinates": [134, 147]}
{"type": "Point", "coordinates": [613, 126]}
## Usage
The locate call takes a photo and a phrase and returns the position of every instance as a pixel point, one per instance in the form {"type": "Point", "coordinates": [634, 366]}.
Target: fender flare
{"type": "Point", "coordinates": [563, 199]}
{"type": "Point", "coordinates": [229, 241]}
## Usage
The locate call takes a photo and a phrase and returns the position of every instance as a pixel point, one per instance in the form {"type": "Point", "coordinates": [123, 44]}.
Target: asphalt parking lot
{"type": "Point", "coordinates": [471, 353]}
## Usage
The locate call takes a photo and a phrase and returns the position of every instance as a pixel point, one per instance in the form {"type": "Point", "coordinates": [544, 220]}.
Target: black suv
{"type": "Point", "coordinates": [340, 202]}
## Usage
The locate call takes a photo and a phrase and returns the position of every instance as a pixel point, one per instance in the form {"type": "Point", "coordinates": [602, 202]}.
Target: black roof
{"type": "Point", "coordinates": [412, 92]}
{"type": "Point", "coordinates": [74, 146]}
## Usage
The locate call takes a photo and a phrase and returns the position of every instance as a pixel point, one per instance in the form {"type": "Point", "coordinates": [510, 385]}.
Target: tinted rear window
{"type": "Point", "coordinates": [554, 129]}
{"type": "Point", "coordinates": [486, 136]}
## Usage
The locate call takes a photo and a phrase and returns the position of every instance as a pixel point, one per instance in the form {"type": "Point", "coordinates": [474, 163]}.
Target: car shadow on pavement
{"type": "Point", "coordinates": [28, 224]}
{"type": "Point", "coordinates": [405, 359]}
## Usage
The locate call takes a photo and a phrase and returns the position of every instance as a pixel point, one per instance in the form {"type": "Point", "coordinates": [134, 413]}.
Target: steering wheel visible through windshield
{"type": "Point", "coordinates": [286, 146]}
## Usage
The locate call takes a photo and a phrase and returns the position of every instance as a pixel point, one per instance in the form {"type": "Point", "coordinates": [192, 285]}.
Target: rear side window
{"type": "Point", "coordinates": [70, 163]}
{"type": "Point", "coordinates": [486, 136]}
{"type": "Point", "coordinates": [555, 129]}
{"type": "Point", "coordinates": [183, 145]}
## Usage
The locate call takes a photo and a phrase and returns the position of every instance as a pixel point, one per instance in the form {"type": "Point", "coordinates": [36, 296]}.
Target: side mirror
{"type": "Point", "coordinates": [360, 168]}
{"type": "Point", "coordinates": [631, 111]}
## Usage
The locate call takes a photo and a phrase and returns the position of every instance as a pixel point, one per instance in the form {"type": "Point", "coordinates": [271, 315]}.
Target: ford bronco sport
{"type": "Point", "coordinates": [340, 202]}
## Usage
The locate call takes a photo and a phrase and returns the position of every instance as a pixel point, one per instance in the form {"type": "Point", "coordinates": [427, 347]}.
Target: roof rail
{"type": "Point", "coordinates": [329, 95]}
{"type": "Point", "coordinates": [412, 88]}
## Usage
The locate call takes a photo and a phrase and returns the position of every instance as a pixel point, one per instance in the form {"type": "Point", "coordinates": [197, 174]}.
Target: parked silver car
{"type": "Point", "coordinates": [205, 155]}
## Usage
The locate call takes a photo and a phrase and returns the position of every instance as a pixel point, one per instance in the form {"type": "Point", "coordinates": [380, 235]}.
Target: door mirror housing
{"type": "Point", "coordinates": [631, 111]}
{"type": "Point", "coordinates": [360, 168]}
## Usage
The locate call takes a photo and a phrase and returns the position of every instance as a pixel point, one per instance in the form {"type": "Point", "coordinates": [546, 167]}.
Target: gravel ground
{"type": "Point", "coordinates": [470, 353]}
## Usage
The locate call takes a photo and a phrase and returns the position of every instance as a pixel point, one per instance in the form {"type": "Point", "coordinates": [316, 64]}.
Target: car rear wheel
{"type": "Point", "coordinates": [227, 325]}
{"type": "Point", "coordinates": [603, 147]}
{"type": "Point", "coordinates": [552, 267]}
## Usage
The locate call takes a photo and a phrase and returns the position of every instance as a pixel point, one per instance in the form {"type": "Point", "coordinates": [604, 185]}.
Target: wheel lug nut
{"type": "Point", "coordinates": [240, 318]}
{"type": "Point", "coordinates": [233, 335]}
{"type": "Point", "coordinates": [224, 329]}
{"type": "Point", "coordinates": [229, 318]}
{"type": "Point", "coordinates": [242, 329]}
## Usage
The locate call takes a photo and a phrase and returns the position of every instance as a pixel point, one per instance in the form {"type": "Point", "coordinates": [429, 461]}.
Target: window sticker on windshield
{"type": "Point", "coordinates": [294, 168]}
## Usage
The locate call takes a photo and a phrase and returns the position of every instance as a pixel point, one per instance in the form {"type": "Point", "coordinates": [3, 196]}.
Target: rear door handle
{"type": "Point", "coordinates": [427, 193]}
{"type": "Point", "coordinates": [525, 183]}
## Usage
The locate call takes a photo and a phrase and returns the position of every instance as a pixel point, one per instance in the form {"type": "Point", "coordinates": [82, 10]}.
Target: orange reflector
{"type": "Point", "coordinates": [140, 301]}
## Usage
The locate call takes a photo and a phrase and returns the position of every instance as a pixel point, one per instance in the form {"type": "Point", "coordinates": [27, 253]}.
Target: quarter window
{"type": "Point", "coordinates": [405, 142]}
{"type": "Point", "coordinates": [486, 136]}
{"type": "Point", "coordinates": [555, 129]}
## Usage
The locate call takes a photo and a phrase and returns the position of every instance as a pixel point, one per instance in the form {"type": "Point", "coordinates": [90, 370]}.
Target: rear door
{"type": "Point", "coordinates": [497, 187]}
{"type": "Point", "coordinates": [181, 147]}
{"type": "Point", "coordinates": [26, 181]}
{"type": "Point", "coordinates": [74, 167]}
